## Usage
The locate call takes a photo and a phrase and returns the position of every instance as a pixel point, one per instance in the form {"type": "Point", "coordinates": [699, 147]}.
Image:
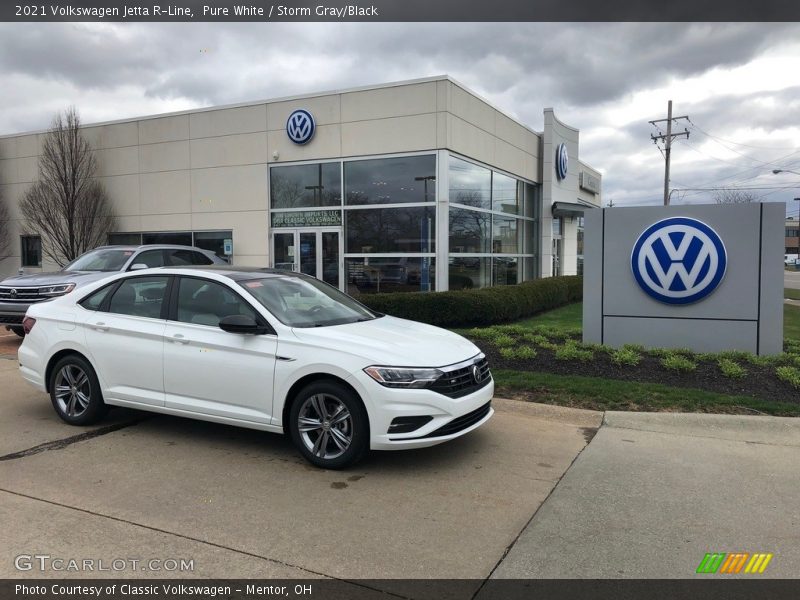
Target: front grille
{"type": "Point", "coordinates": [12, 319]}
{"type": "Point", "coordinates": [23, 295]}
{"type": "Point", "coordinates": [461, 423]}
{"type": "Point", "coordinates": [461, 382]}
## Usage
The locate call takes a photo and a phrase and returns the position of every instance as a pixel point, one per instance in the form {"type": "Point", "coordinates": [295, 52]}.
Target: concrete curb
{"type": "Point", "coordinates": [780, 431]}
{"type": "Point", "coordinates": [574, 416]}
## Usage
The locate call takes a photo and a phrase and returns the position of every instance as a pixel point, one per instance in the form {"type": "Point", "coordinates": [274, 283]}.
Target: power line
{"type": "Point", "coordinates": [667, 138]}
{"type": "Point", "coordinates": [715, 137]}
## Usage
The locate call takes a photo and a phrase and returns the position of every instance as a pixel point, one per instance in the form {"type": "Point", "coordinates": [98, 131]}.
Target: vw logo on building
{"type": "Point", "coordinates": [300, 126]}
{"type": "Point", "coordinates": [562, 161]}
{"type": "Point", "coordinates": [679, 260]}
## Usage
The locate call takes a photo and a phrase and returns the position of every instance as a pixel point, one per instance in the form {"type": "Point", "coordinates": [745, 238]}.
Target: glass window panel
{"type": "Point", "coordinates": [556, 226]}
{"type": "Point", "coordinates": [124, 239]}
{"type": "Point", "coordinates": [391, 180]}
{"type": "Point", "coordinates": [469, 272]}
{"type": "Point", "coordinates": [504, 270]}
{"type": "Point", "coordinates": [213, 240]}
{"type": "Point", "coordinates": [330, 257]}
{"type": "Point", "coordinates": [151, 258]}
{"type": "Point", "coordinates": [284, 251]}
{"type": "Point", "coordinates": [506, 194]}
{"type": "Point", "coordinates": [469, 184]}
{"type": "Point", "coordinates": [375, 230]}
{"type": "Point", "coordinates": [182, 238]}
{"type": "Point", "coordinates": [305, 185]}
{"type": "Point", "coordinates": [532, 202]}
{"type": "Point", "coordinates": [308, 253]}
{"type": "Point", "coordinates": [31, 251]}
{"type": "Point", "coordinates": [469, 230]}
{"type": "Point", "coordinates": [401, 274]}
{"type": "Point", "coordinates": [139, 297]}
{"type": "Point", "coordinates": [505, 235]}
{"type": "Point", "coordinates": [204, 302]}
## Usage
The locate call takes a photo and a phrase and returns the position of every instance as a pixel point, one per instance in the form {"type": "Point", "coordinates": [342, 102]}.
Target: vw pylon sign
{"type": "Point", "coordinates": [679, 260]}
{"type": "Point", "coordinates": [300, 126]}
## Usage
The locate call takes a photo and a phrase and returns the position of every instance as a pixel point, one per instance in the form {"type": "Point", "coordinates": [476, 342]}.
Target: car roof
{"type": "Point", "coordinates": [234, 272]}
{"type": "Point", "coordinates": [148, 247]}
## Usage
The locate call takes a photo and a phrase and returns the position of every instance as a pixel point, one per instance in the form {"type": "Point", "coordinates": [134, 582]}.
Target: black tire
{"type": "Point", "coordinates": [75, 391]}
{"type": "Point", "coordinates": [353, 426]}
{"type": "Point", "coordinates": [18, 330]}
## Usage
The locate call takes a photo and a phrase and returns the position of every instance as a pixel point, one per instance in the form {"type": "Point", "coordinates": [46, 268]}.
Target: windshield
{"type": "Point", "coordinates": [105, 259]}
{"type": "Point", "coordinates": [306, 302]}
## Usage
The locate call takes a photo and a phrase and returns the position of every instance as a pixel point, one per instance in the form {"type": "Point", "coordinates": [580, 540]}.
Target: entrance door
{"type": "Point", "coordinates": [314, 252]}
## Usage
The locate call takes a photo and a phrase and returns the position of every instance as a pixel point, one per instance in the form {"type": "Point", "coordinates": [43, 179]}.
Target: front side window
{"type": "Point", "coordinates": [205, 302]}
{"type": "Point", "coordinates": [139, 297]}
{"type": "Point", "coordinates": [306, 302]}
{"type": "Point", "coordinates": [151, 258]}
{"type": "Point", "coordinates": [104, 259]}
{"type": "Point", "coordinates": [31, 251]}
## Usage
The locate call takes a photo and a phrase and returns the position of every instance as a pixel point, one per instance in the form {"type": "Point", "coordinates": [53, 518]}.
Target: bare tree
{"type": "Point", "coordinates": [5, 229]}
{"type": "Point", "coordinates": [67, 206]}
{"type": "Point", "coordinates": [734, 196]}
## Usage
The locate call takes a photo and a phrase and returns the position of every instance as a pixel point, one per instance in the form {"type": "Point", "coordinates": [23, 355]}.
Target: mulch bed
{"type": "Point", "coordinates": [760, 381]}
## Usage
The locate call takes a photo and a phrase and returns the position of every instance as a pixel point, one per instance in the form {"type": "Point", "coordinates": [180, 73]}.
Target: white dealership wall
{"type": "Point", "coordinates": [206, 169]}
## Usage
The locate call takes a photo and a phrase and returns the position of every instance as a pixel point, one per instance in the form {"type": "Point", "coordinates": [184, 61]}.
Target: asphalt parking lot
{"type": "Point", "coordinates": [522, 497]}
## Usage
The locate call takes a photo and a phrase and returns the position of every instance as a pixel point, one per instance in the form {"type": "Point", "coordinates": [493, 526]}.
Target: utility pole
{"type": "Point", "coordinates": [668, 137]}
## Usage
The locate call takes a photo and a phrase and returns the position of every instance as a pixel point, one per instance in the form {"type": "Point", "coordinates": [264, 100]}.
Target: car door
{"type": "Point", "coordinates": [125, 337]}
{"type": "Point", "coordinates": [208, 370]}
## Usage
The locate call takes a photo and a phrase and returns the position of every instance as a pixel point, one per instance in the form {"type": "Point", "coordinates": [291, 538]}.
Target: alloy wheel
{"type": "Point", "coordinates": [73, 390]}
{"type": "Point", "coordinates": [325, 425]}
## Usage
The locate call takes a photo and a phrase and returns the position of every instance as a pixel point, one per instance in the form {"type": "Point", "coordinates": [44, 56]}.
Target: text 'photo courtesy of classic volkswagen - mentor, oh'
{"type": "Point", "coordinates": [270, 350]}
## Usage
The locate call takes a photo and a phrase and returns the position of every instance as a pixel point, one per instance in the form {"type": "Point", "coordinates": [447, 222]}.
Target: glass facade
{"type": "Point", "coordinates": [493, 226]}
{"type": "Point", "coordinates": [386, 211]}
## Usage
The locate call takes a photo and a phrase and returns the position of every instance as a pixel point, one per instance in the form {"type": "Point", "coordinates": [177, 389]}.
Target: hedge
{"type": "Point", "coordinates": [486, 306]}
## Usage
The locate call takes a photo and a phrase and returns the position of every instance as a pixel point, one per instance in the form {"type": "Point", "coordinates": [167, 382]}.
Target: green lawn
{"type": "Point", "coordinates": [571, 317]}
{"type": "Point", "coordinates": [611, 394]}
{"type": "Point", "coordinates": [791, 293]}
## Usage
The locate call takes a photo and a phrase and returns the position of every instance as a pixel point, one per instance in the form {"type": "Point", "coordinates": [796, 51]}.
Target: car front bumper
{"type": "Point", "coordinates": [12, 313]}
{"type": "Point", "coordinates": [462, 415]}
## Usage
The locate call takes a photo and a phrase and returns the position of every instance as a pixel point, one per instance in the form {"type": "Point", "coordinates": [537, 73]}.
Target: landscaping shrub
{"type": "Point", "coordinates": [503, 341]}
{"type": "Point", "coordinates": [790, 375]}
{"type": "Point", "coordinates": [626, 356]}
{"type": "Point", "coordinates": [571, 351]}
{"type": "Point", "coordinates": [678, 362]}
{"type": "Point", "coordinates": [731, 369]}
{"type": "Point", "coordinates": [519, 353]}
{"type": "Point", "coordinates": [485, 306]}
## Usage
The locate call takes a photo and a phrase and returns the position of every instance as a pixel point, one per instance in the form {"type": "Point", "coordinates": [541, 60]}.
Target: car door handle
{"type": "Point", "coordinates": [100, 326]}
{"type": "Point", "coordinates": [179, 339]}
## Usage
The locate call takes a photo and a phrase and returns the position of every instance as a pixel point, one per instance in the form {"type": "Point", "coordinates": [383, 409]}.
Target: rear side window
{"type": "Point", "coordinates": [182, 258]}
{"type": "Point", "coordinates": [94, 301]}
{"type": "Point", "coordinates": [139, 297]}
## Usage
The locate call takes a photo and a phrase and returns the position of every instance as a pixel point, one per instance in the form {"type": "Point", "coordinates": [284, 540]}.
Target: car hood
{"type": "Point", "coordinates": [56, 277]}
{"type": "Point", "coordinates": [392, 342]}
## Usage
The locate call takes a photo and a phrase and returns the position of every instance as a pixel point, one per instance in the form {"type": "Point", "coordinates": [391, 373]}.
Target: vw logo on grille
{"type": "Point", "coordinates": [679, 260]}
{"type": "Point", "coordinates": [476, 373]}
{"type": "Point", "coordinates": [562, 161]}
{"type": "Point", "coordinates": [300, 126]}
{"type": "Point", "coordinates": [13, 292]}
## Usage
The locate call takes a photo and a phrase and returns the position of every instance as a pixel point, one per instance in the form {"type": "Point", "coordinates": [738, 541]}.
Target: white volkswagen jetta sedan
{"type": "Point", "coordinates": [264, 349]}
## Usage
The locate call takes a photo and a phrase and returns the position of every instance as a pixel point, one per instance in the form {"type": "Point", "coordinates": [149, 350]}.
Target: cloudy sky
{"type": "Point", "coordinates": [738, 83]}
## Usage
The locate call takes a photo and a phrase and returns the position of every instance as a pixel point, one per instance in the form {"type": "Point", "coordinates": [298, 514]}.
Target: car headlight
{"type": "Point", "coordinates": [56, 290]}
{"type": "Point", "coordinates": [402, 377]}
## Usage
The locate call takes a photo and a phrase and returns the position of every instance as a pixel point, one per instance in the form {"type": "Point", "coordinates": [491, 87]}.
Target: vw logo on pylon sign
{"type": "Point", "coordinates": [562, 161]}
{"type": "Point", "coordinates": [679, 260]}
{"type": "Point", "coordinates": [300, 126]}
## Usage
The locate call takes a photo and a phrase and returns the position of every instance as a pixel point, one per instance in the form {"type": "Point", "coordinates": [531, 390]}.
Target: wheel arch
{"type": "Point", "coordinates": [57, 357]}
{"type": "Point", "coordinates": [309, 379]}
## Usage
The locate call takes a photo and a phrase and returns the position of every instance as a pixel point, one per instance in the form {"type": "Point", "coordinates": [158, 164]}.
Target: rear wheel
{"type": "Point", "coordinates": [329, 425]}
{"type": "Point", "coordinates": [75, 391]}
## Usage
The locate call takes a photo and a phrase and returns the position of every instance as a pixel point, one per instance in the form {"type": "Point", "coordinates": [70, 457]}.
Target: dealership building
{"type": "Point", "coordinates": [410, 186]}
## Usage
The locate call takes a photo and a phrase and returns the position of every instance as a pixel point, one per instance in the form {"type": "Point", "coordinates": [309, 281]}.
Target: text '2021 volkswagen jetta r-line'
{"type": "Point", "coordinates": [269, 350]}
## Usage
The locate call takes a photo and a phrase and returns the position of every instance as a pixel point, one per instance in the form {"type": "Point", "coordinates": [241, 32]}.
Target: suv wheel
{"type": "Point", "coordinates": [329, 425]}
{"type": "Point", "coordinates": [75, 391]}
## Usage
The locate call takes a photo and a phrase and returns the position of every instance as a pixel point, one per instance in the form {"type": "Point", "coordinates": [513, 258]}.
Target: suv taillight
{"type": "Point", "coordinates": [27, 324]}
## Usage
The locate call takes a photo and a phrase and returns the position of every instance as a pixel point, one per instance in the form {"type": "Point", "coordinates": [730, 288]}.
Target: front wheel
{"type": "Point", "coordinates": [329, 425]}
{"type": "Point", "coordinates": [75, 391]}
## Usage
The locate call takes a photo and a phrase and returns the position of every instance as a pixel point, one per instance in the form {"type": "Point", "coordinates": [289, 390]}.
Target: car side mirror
{"type": "Point", "coordinates": [242, 324]}
{"type": "Point", "coordinates": [138, 267]}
